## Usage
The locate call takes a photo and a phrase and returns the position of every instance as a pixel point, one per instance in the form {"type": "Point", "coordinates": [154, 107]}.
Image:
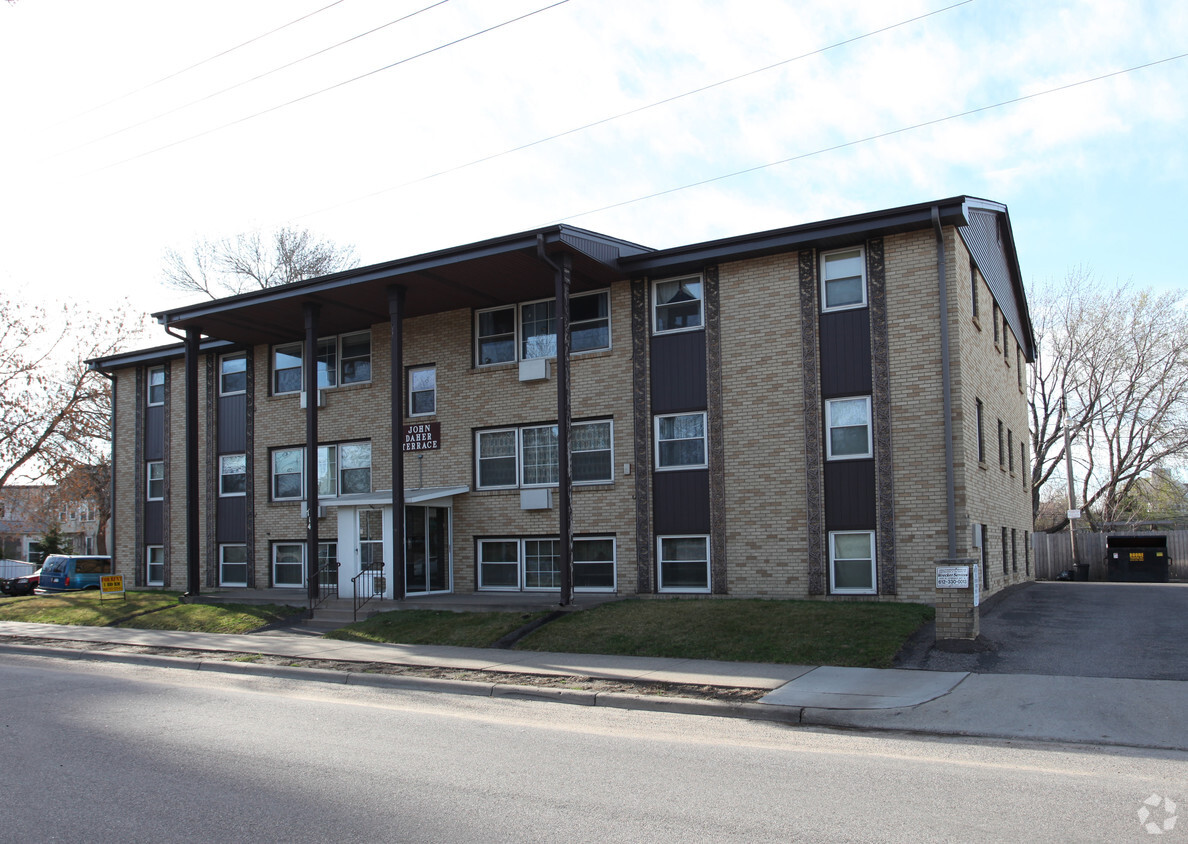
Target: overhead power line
{"type": "Point", "coordinates": [328, 88]}
{"type": "Point", "coordinates": [869, 138]}
{"type": "Point", "coordinates": [207, 60]}
{"type": "Point", "coordinates": [256, 78]}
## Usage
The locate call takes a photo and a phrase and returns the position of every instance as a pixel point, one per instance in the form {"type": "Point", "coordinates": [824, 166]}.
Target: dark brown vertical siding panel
{"type": "Point", "coordinates": [814, 499]}
{"type": "Point", "coordinates": [154, 432]}
{"type": "Point", "coordinates": [250, 447]}
{"type": "Point", "coordinates": [154, 527]}
{"type": "Point", "coordinates": [845, 353]}
{"type": "Point", "coordinates": [138, 483]}
{"type": "Point", "coordinates": [211, 436]}
{"type": "Point", "coordinates": [849, 495]}
{"type": "Point", "coordinates": [232, 424]}
{"type": "Point", "coordinates": [682, 502]}
{"type": "Point", "coordinates": [678, 372]}
{"type": "Point", "coordinates": [642, 421]}
{"type": "Point", "coordinates": [231, 521]}
{"type": "Point", "coordinates": [167, 440]}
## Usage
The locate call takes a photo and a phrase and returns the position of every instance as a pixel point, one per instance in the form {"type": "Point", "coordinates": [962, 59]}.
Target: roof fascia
{"type": "Point", "coordinates": [1016, 272]}
{"type": "Point", "coordinates": [158, 354]}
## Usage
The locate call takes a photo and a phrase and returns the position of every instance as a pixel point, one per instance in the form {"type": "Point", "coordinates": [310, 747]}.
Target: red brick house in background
{"type": "Point", "coordinates": [782, 414]}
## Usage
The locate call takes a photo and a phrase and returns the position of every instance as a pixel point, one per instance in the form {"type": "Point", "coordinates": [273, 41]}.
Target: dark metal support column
{"type": "Point", "coordinates": [396, 315]}
{"type": "Point", "coordinates": [193, 558]}
{"type": "Point", "coordinates": [564, 419]}
{"type": "Point", "coordinates": [311, 449]}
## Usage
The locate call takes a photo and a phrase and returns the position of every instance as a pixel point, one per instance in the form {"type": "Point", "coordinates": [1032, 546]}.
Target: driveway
{"type": "Point", "coordinates": [1127, 630]}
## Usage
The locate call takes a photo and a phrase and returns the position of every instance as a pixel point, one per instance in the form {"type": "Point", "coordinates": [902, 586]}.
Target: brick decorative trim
{"type": "Point", "coordinates": [250, 443]}
{"type": "Point", "coordinates": [211, 438]}
{"type": "Point", "coordinates": [641, 419]}
{"type": "Point", "coordinates": [138, 484]}
{"type": "Point", "coordinates": [876, 271]}
{"type": "Point", "coordinates": [814, 492]}
{"type": "Point", "coordinates": [167, 504]}
{"type": "Point", "coordinates": [717, 439]}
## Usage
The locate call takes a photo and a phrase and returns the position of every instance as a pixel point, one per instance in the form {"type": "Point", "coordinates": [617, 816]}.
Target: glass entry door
{"type": "Point", "coordinates": [426, 550]}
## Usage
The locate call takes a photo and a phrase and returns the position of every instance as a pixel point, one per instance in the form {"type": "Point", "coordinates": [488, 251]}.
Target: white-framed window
{"type": "Point", "coordinates": [155, 473]}
{"type": "Point", "coordinates": [529, 330]}
{"type": "Point", "coordinates": [847, 428]}
{"type": "Point", "coordinates": [681, 441]}
{"type": "Point", "coordinates": [533, 563]}
{"type": "Point", "coordinates": [979, 412]}
{"type": "Point", "coordinates": [355, 360]}
{"type": "Point", "coordinates": [677, 304]}
{"type": "Point", "coordinates": [233, 374]}
{"type": "Point", "coordinates": [154, 565]}
{"type": "Point", "coordinates": [156, 386]}
{"type": "Point", "coordinates": [340, 360]}
{"type": "Point", "coordinates": [343, 469]}
{"type": "Point", "coordinates": [233, 570]}
{"type": "Point", "coordinates": [422, 391]}
{"type": "Point", "coordinates": [495, 455]}
{"type": "Point", "coordinates": [683, 563]}
{"type": "Point", "coordinates": [594, 564]}
{"type": "Point", "coordinates": [843, 279]}
{"type": "Point", "coordinates": [528, 456]}
{"type": "Point", "coordinates": [499, 564]}
{"type": "Point", "coordinates": [495, 335]}
{"type": "Point", "coordinates": [288, 565]}
{"type": "Point", "coordinates": [232, 474]}
{"type": "Point", "coordinates": [852, 562]}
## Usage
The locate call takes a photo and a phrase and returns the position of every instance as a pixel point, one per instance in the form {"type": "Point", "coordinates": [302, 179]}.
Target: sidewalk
{"type": "Point", "coordinates": [1132, 713]}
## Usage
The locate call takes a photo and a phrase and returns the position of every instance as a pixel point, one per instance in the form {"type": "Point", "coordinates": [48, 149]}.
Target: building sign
{"type": "Point", "coordinates": [424, 436]}
{"type": "Point", "coordinates": [952, 577]}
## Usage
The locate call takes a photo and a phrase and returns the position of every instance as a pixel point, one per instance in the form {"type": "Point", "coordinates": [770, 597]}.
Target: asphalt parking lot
{"type": "Point", "coordinates": [1126, 630]}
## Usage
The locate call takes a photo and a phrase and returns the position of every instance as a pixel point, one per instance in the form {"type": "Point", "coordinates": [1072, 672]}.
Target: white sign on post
{"type": "Point", "coordinates": [952, 577]}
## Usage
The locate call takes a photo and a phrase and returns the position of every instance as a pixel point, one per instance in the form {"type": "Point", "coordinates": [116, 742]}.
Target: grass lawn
{"type": "Point", "coordinates": [857, 634]}
{"type": "Point", "coordinates": [436, 627]}
{"type": "Point", "coordinates": [143, 610]}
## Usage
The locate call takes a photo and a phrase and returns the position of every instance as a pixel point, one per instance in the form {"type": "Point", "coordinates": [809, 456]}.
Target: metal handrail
{"type": "Point", "coordinates": [367, 584]}
{"type": "Point", "coordinates": [326, 588]}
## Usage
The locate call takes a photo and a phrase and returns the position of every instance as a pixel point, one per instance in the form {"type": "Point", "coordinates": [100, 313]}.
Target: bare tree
{"type": "Point", "coordinates": [253, 261]}
{"type": "Point", "coordinates": [55, 413]}
{"type": "Point", "coordinates": [1113, 366]}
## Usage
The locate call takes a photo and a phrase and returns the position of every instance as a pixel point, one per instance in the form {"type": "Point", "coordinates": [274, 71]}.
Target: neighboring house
{"type": "Point", "coordinates": [27, 512]}
{"type": "Point", "coordinates": [763, 415]}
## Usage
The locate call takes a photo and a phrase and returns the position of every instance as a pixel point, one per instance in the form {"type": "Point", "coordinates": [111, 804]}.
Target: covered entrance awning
{"type": "Point", "coordinates": [439, 495]}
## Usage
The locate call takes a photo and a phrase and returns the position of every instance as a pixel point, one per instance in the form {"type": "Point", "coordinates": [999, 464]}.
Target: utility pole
{"type": "Point", "coordinates": [1072, 496]}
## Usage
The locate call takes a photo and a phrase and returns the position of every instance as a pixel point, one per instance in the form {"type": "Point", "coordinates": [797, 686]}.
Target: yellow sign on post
{"type": "Point", "coordinates": [111, 584]}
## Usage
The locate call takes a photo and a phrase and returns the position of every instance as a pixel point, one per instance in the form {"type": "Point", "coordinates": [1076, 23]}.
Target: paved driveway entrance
{"type": "Point", "coordinates": [1131, 630]}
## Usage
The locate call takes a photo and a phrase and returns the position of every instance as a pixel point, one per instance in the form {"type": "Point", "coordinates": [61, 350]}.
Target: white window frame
{"type": "Point", "coordinates": [330, 455]}
{"type": "Point", "coordinates": [333, 380]}
{"type": "Point", "coordinates": [523, 464]}
{"type": "Point", "coordinates": [660, 561]}
{"type": "Point", "coordinates": [150, 386]}
{"type": "Point", "coordinates": [515, 309]}
{"type": "Point", "coordinates": [614, 563]}
{"type": "Point", "coordinates": [518, 336]}
{"type": "Point", "coordinates": [833, 253]}
{"type": "Point", "coordinates": [223, 564]}
{"type": "Point", "coordinates": [150, 480]}
{"type": "Point", "coordinates": [478, 457]}
{"type": "Point", "coordinates": [521, 351]}
{"type": "Point", "coordinates": [151, 551]}
{"type": "Point", "coordinates": [834, 589]}
{"type": "Point", "coordinates": [829, 455]}
{"type": "Point", "coordinates": [660, 467]}
{"type": "Point", "coordinates": [223, 361]}
{"type": "Point", "coordinates": [519, 564]}
{"type": "Point", "coordinates": [412, 372]}
{"type": "Point", "coordinates": [573, 324]}
{"type": "Point", "coordinates": [656, 329]}
{"type": "Point", "coordinates": [300, 546]}
{"type": "Point", "coordinates": [224, 474]}
{"type": "Point", "coordinates": [610, 478]}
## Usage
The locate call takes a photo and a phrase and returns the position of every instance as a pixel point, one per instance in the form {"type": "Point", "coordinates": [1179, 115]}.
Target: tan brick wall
{"type": "Point", "coordinates": [123, 548]}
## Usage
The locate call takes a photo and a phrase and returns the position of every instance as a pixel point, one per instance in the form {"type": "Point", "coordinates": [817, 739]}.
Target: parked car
{"type": "Point", "coordinates": [67, 573]}
{"type": "Point", "coordinates": [23, 585]}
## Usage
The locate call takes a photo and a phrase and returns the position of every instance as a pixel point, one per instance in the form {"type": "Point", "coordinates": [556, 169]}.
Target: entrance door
{"type": "Point", "coordinates": [426, 550]}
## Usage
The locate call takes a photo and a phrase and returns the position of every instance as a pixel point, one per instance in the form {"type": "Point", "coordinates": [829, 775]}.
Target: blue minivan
{"type": "Point", "coordinates": [67, 572]}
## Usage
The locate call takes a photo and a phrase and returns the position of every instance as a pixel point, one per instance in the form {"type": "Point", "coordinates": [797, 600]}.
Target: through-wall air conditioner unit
{"type": "Point", "coordinates": [976, 539]}
{"type": "Point", "coordinates": [321, 398]}
{"type": "Point", "coordinates": [534, 369]}
{"type": "Point", "coordinates": [321, 512]}
{"type": "Point", "coordinates": [536, 499]}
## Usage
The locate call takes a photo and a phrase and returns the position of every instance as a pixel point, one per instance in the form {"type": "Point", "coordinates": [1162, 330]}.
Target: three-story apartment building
{"type": "Point", "coordinates": [820, 410]}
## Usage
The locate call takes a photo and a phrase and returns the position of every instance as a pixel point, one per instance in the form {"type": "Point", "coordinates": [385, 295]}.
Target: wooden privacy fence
{"type": "Point", "coordinates": [1053, 554]}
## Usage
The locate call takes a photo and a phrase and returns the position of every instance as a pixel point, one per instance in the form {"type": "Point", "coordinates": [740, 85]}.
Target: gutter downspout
{"type": "Point", "coordinates": [946, 383]}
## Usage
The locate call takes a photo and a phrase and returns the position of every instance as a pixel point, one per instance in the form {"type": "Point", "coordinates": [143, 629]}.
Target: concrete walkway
{"type": "Point", "coordinates": [1093, 710]}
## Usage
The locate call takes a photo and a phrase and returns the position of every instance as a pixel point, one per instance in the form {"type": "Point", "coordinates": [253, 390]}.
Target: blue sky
{"type": "Point", "coordinates": [103, 170]}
